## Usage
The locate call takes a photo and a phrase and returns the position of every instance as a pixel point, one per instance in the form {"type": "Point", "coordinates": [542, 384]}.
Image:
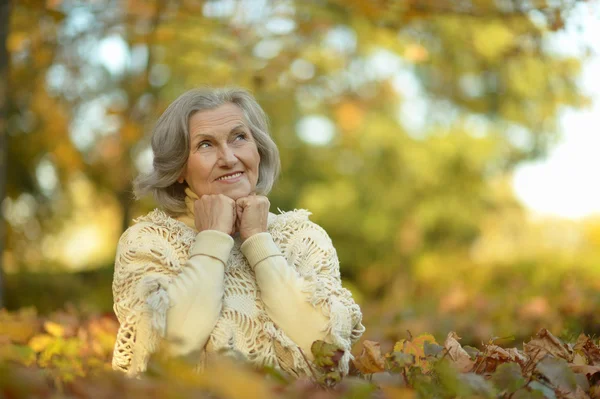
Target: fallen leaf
{"type": "Point", "coordinates": [19, 326]}
{"type": "Point", "coordinates": [517, 356]}
{"type": "Point", "coordinates": [432, 349]}
{"type": "Point", "coordinates": [326, 355]}
{"type": "Point", "coordinates": [586, 347]}
{"type": "Point", "coordinates": [539, 388]}
{"type": "Point", "coordinates": [478, 386]}
{"type": "Point", "coordinates": [421, 339]}
{"type": "Point", "coordinates": [370, 360]}
{"type": "Point", "coordinates": [579, 394]}
{"type": "Point", "coordinates": [508, 377]}
{"type": "Point", "coordinates": [54, 329]}
{"type": "Point", "coordinates": [416, 348]}
{"type": "Point", "coordinates": [585, 369]}
{"type": "Point", "coordinates": [39, 342]}
{"type": "Point", "coordinates": [544, 344]}
{"type": "Point", "coordinates": [558, 373]}
{"type": "Point", "coordinates": [459, 357]}
{"type": "Point", "coordinates": [494, 355]}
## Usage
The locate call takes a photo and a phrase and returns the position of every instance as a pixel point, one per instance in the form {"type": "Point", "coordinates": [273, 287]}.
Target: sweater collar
{"type": "Point", "coordinates": [188, 217]}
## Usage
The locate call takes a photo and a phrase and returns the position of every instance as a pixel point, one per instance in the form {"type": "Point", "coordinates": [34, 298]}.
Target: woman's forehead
{"type": "Point", "coordinates": [217, 121]}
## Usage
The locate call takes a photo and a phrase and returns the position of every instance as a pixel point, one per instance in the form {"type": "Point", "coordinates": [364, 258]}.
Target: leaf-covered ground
{"type": "Point", "coordinates": [68, 356]}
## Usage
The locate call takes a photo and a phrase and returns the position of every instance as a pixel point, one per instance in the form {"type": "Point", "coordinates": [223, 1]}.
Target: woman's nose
{"type": "Point", "coordinates": [227, 157]}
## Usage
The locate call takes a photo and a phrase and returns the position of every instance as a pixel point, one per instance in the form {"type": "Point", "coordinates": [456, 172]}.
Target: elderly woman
{"type": "Point", "coordinates": [213, 269]}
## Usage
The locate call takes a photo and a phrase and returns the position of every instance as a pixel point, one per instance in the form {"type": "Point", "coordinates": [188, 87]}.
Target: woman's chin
{"type": "Point", "coordinates": [237, 193]}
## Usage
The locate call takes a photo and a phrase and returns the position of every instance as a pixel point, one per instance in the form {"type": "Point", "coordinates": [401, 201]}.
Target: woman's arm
{"type": "Point", "coordinates": [281, 291]}
{"type": "Point", "coordinates": [153, 296]}
{"type": "Point", "coordinates": [303, 293]}
{"type": "Point", "coordinates": [196, 294]}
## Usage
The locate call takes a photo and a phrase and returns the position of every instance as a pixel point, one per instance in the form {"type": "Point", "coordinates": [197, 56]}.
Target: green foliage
{"type": "Point", "coordinates": [508, 377]}
{"type": "Point", "coordinates": [376, 185]}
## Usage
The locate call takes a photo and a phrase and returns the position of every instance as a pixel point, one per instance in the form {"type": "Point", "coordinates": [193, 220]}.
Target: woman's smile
{"type": "Point", "coordinates": [230, 177]}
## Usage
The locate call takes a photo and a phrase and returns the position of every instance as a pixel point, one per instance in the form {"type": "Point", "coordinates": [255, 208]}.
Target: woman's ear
{"type": "Point", "coordinates": [181, 177]}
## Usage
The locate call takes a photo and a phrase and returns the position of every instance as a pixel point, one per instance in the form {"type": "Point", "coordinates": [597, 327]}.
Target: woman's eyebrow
{"type": "Point", "coordinates": [202, 136]}
{"type": "Point", "coordinates": [238, 127]}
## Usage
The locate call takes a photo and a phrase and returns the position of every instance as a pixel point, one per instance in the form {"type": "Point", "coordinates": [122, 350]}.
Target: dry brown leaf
{"type": "Point", "coordinates": [584, 369]}
{"type": "Point", "coordinates": [370, 360]}
{"type": "Point", "coordinates": [457, 354]}
{"type": "Point", "coordinates": [517, 356]}
{"type": "Point", "coordinates": [578, 394]}
{"type": "Point", "coordinates": [586, 347]}
{"type": "Point", "coordinates": [496, 352]}
{"type": "Point", "coordinates": [545, 343]}
{"type": "Point", "coordinates": [495, 356]}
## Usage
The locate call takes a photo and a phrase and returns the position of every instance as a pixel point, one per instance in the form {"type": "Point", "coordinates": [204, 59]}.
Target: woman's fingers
{"type": "Point", "coordinates": [254, 215]}
{"type": "Point", "coordinates": [215, 212]}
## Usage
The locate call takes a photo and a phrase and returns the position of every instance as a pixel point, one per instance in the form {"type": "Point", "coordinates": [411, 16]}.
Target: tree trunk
{"type": "Point", "coordinates": [4, 61]}
{"type": "Point", "coordinates": [126, 201]}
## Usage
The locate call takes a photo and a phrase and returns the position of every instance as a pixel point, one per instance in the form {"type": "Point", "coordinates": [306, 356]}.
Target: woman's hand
{"type": "Point", "coordinates": [252, 215]}
{"type": "Point", "coordinates": [215, 212]}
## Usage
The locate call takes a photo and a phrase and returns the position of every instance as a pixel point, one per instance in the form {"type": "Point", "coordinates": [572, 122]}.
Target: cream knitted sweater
{"type": "Point", "coordinates": [268, 298]}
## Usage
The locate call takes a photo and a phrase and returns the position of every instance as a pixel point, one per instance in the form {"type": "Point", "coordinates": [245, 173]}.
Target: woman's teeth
{"type": "Point", "coordinates": [230, 176]}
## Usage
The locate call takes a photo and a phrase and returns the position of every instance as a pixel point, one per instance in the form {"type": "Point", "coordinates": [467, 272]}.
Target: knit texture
{"type": "Point", "coordinates": [156, 247]}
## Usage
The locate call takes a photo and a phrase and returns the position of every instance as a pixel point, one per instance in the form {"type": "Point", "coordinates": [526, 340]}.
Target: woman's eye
{"type": "Point", "coordinates": [241, 136]}
{"type": "Point", "coordinates": [204, 144]}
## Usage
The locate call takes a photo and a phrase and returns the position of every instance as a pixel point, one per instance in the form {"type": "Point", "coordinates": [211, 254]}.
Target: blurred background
{"type": "Point", "coordinates": [449, 148]}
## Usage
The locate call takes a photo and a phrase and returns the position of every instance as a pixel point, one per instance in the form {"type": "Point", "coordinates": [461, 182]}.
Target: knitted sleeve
{"type": "Point", "coordinates": [144, 265]}
{"type": "Point", "coordinates": [281, 290]}
{"type": "Point", "coordinates": [157, 294]}
{"type": "Point", "coordinates": [308, 248]}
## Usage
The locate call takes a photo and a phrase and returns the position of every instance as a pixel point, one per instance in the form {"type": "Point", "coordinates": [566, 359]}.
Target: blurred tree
{"type": "Point", "coordinates": [476, 88]}
{"type": "Point", "coordinates": [4, 61]}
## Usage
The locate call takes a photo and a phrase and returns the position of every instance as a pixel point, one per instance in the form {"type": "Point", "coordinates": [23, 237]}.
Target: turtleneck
{"type": "Point", "coordinates": [189, 217]}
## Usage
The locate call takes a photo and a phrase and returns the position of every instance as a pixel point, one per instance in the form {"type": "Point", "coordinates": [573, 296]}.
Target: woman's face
{"type": "Point", "coordinates": [223, 157]}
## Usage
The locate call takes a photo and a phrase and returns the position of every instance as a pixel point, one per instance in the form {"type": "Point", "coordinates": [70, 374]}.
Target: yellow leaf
{"type": "Point", "coordinates": [416, 347]}
{"type": "Point", "coordinates": [20, 326]}
{"type": "Point", "coordinates": [421, 339]}
{"type": "Point", "coordinates": [40, 342]}
{"type": "Point", "coordinates": [54, 329]}
{"type": "Point", "coordinates": [17, 353]}
{"type": "Point", "coordinates": [399, 347]}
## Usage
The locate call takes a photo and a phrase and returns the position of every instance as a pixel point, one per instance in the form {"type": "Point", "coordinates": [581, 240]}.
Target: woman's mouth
{"type": "Point", "coordinates": [230, 178]}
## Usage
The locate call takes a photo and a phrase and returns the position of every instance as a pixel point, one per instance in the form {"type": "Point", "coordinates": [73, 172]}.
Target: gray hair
{"type": "Point", "coordinates": [171, 145]}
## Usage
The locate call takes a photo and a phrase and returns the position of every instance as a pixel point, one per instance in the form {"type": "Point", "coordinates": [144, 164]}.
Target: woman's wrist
{"type": "Point", "coordinates": [247, 235]}
{"type": "Point", "coordinates": [258, 247]}
{"type": "Point", "coordinates": [213, 243]}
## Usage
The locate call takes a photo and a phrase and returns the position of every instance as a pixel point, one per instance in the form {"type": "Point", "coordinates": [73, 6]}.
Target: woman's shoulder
{"type": "Point", "coordinates": [156, 236]}
{"type": "Point", "coordinates": [287, 219]}
{"type": "Point", "coordinates": [296, 223]}
{"type": "Point", "coordinates": [155, 223]}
